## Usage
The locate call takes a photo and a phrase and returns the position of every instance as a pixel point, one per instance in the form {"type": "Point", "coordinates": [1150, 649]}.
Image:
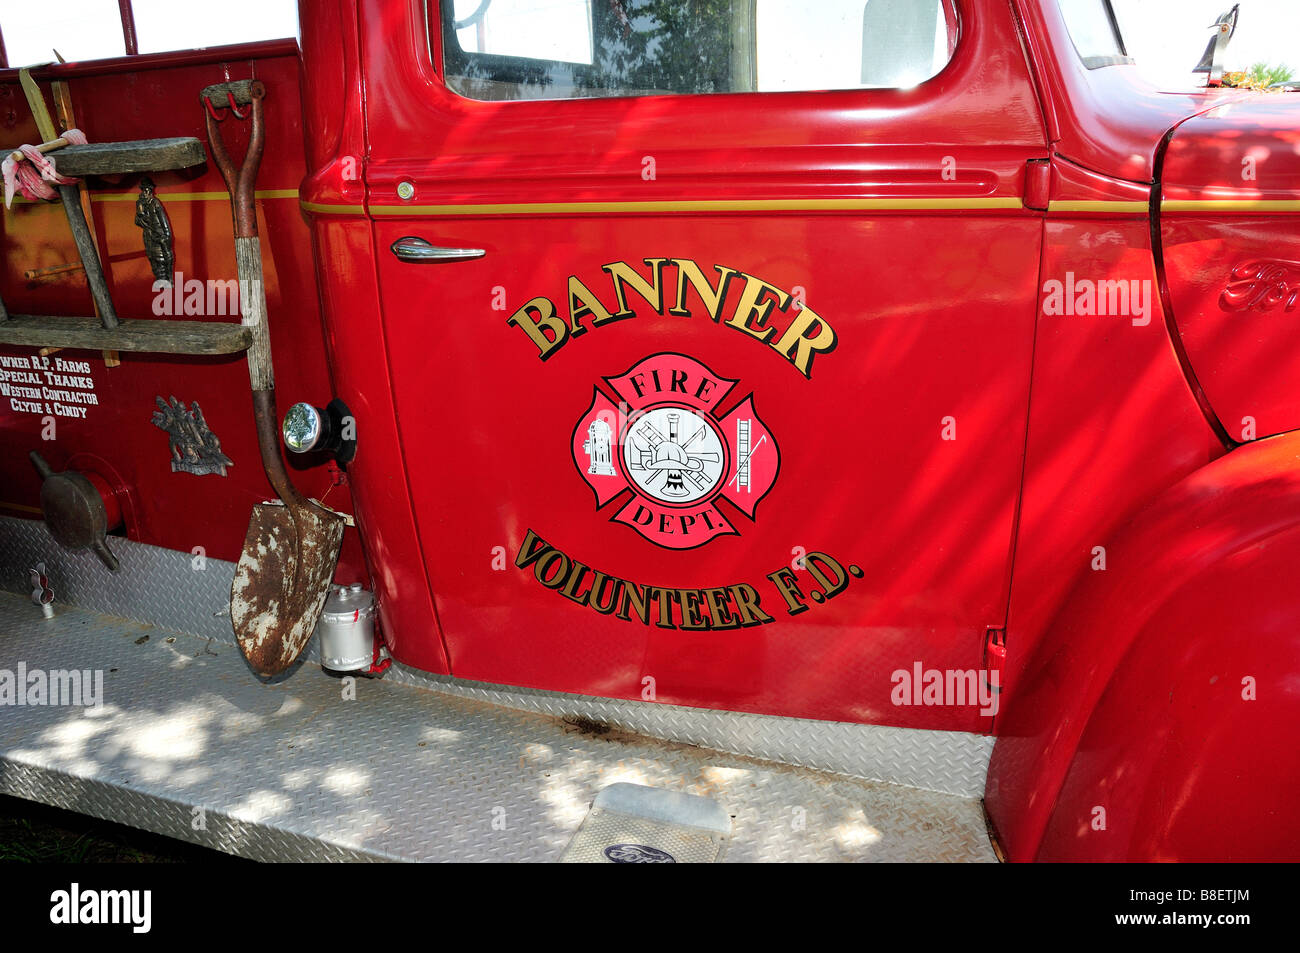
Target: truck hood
{"type": "Point", "coordinates": [1230, 235]}
{"type": "Point", "coordinates": [1244, 150]}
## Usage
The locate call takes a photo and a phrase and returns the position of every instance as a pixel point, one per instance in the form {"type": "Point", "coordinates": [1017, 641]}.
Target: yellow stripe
{"type": "Point", "coordinates": [1231, 205]}
{"type": "Point", "coordinates": [325, 209]}
{"type": "Point", "coordinates": [37, 203]}
{"type": "Point", "coordinates": [20, 507]}
{"type": "Point", "coordinates": [1132, 208]}
{"type": "Point", "coordinates": [193, 196]}
{"type": "Point", "coordinates": [715, 205]}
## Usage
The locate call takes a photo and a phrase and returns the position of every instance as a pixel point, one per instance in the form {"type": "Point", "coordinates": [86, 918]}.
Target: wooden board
{"type": "Point", "coordinates": [159, 337]}
{"type": "Point", "coordinates": [142, 155]}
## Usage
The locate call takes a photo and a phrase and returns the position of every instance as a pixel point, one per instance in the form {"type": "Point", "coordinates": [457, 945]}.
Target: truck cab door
{"type": "Point", "coordinates": [709, 331]}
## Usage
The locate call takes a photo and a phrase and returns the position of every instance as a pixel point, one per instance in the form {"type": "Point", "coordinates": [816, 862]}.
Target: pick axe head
{"type": "Point", "coordinates": [282, 580]}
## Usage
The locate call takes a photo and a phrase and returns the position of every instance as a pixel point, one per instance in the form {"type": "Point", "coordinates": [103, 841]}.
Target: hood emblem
{"type": "Point", "coordinates": [1262, 284]}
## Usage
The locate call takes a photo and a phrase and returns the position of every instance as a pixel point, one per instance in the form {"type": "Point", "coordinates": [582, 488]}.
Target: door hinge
{"type": "Point", "coordinates": [1038, 183]}
{"type": "Point", "coordinates": [995, 656]}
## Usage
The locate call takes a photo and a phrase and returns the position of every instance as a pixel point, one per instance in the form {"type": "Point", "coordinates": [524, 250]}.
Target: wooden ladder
{"type": "Point", "coordinates": [110, 332]}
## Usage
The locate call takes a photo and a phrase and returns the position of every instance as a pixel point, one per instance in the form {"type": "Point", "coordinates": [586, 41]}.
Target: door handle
{"type": "Point", "coordinates": [415, 249]}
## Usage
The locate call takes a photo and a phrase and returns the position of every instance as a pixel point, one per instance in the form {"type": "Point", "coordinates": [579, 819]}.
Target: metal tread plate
{"type": "Point", "coordinates": [946, 762]}
{"type": "Point", "coordinates": [186, 742]}
{"type": "Point", "coordinates": [179, 591]}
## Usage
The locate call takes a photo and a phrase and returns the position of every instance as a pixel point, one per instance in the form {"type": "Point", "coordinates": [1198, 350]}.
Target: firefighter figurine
{"type": "Point", "coordinates": [157, 228]}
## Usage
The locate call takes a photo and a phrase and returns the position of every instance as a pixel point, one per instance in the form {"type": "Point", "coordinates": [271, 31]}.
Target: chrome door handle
{"type": "Point", "coordinates": [415, 249]}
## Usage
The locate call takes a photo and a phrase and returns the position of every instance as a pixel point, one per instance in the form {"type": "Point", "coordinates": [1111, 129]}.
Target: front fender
{"type": "Point", "coordinates": [1159, 720]}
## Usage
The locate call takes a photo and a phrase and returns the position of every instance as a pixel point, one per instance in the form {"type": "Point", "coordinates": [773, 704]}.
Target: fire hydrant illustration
{"type": "Point", "coordinates": [597, 446]}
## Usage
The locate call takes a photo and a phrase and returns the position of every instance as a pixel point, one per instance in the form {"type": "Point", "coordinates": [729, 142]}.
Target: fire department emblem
{"type": "Point", "coordinates": [658, 444]}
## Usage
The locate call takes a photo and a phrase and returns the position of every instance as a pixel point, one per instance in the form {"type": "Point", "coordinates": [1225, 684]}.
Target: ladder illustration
{"type": "Point", "coordinates": [742, 452]}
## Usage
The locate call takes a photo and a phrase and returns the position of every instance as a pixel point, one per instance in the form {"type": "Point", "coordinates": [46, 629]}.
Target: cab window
{"type": "Point", "coordinates": [567, 49]}
{"type": "Point", "coordinates": [79, 30]}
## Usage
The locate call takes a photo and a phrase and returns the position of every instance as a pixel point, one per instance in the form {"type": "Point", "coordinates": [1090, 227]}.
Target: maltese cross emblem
{"type": "Point", "coordinates": [658, 444]}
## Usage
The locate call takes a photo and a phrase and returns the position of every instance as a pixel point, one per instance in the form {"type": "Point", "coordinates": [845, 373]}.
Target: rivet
{"type": "Point", "coordinates": [405, 190]}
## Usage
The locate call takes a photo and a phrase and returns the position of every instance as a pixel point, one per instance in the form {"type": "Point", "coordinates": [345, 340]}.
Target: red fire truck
{"type": "Point", "coordinates": [902, 392]}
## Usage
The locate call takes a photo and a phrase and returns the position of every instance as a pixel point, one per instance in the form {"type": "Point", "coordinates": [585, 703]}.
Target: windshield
{"type": "Point", "coordinates": [1093, 29]}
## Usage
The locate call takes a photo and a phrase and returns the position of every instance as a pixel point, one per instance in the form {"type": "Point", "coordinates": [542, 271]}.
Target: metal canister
{"type": "Point", "coordinates": [347, 629]}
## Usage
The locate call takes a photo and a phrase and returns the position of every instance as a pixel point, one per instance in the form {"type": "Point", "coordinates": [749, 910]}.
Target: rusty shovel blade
{"type": "Point", "coordinates": [281, 581]}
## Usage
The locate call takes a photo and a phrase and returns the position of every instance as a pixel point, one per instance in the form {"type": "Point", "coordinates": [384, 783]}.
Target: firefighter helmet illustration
{"type": "Point", "coordinates": [658, 444]}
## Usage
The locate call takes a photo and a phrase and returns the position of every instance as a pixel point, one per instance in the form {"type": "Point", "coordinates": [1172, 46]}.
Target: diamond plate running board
{"type": "Point", "coordinates": [163, 587]}
{"type": "Point", "coordinates": [183, 742]}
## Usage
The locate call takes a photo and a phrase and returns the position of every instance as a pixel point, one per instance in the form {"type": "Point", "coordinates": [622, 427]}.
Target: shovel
{"type": "Point", "coordinates": [292, 547]}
